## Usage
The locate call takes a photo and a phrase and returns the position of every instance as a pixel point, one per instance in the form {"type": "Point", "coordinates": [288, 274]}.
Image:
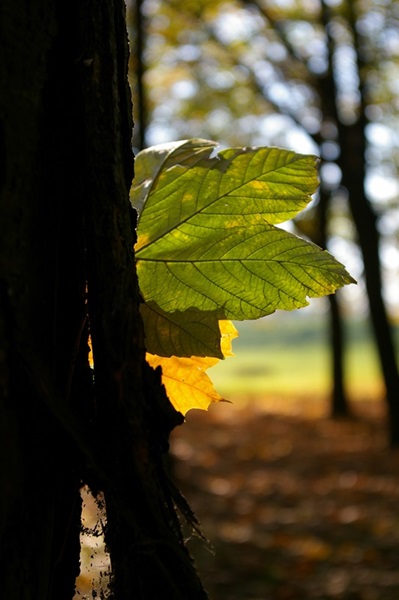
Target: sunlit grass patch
{"type": "Point", "coordinates": [290, 355]}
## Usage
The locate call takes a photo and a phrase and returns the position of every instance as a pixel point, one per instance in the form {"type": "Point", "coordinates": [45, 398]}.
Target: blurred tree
{"type": "Point", "coordinates": [67, 267]}
{"type": "Point", "coordinates": [316, 76]}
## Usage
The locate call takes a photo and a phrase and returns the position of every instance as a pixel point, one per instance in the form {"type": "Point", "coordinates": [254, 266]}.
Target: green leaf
{"type": "Point", "coordinates": [207, 241]}
{"type": "Point", "coordinates": [189, 333]}
{"type": "Point", "coordinates": [150, 162]}
{"type": "Point", "coordinates": [230, 189]}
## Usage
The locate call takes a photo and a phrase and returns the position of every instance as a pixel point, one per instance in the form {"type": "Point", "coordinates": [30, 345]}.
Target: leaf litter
{"type": "Point", "coordinates": [294, 506]}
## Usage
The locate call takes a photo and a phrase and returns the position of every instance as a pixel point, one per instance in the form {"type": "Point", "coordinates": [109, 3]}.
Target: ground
{"type": "Point", "coordinates": [294, 505]}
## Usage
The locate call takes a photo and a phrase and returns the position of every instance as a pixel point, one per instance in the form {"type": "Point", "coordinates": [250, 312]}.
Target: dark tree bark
{"type": "Point", "coordinates": [353, 165]}
{"type": "Point", "coordinates": [352, 161]}
{"type": "Point", "coordinates": [339, 399]}
{"type": "Point", "coordinates": [67, 269]}
{"type": "Point", "coordinates": [353, 157]}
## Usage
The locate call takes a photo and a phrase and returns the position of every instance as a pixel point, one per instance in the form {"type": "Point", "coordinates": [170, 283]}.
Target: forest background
{"type": "Point", "coordinates": [313, 76]}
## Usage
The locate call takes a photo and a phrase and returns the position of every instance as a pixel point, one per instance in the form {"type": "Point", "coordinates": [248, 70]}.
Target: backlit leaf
{"type": "Point", "coordinates": [186, 383]}
{"type": "Point", "coordinates": [151, 161]}
{"type": "Point", "coordinates": [188, 333]}
{"type": "Point", "coordinates": [207, 240]}
{"type": "Point", "coordinates": [228, 333]}
{"type": "Point", "coordinates": [185, 380]}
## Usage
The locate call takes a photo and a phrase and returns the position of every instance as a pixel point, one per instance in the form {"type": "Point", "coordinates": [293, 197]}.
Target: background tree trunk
{"type": "Point", "coordinates": [353, 165]}
{"type": "Point", "coordinates": [352, 161]}
{"type": "Point", "coordinates": [353, 156]}
{"type": "Point", "coordinates": [67, 269]}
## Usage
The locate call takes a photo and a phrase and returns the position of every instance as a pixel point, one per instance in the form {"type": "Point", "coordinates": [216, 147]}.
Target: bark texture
{"type": "Point", "coordinates": [67, 269]}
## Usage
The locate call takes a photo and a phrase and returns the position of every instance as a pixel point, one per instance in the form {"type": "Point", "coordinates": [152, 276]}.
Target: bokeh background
{"type": "Point", "coordinates": [317, 77]}
{"type": "Point", "coordinates": [296, 481]}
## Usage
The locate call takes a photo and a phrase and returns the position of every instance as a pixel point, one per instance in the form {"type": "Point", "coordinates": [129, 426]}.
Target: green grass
{"type": "Point", "coordinates": [288, 353]}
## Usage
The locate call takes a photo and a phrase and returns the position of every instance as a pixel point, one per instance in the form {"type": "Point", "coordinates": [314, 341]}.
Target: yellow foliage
{"type": "Point", "coordinates": [228, 332]}
{"type": "Point", "coordinates": [185, 380]}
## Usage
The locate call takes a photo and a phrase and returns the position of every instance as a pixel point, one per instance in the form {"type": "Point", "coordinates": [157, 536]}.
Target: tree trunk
{"type": "Point", "coordinates": [40, 274]}
{"type": "Point", "coordinates": [339, 400]}
{"type": "Point", "coordinates": [67, 269]}
{"type": "Point", "coordinates": [352, 161]}
{"type": "Point", "coordinates": [138, 39]}
{"type": "Point", "coordinates": [353, 167]}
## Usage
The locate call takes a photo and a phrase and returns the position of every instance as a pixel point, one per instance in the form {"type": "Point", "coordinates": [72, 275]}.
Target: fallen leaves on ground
{"type": "Point", "coordinates": [294, 507]}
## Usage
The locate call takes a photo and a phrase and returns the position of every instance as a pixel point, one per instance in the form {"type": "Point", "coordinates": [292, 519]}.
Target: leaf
{"type": "Point", "coordinates": [186, 383]}
{"type": "Point", "coordinates": [150, 162]}
{"type": "Point", "coordinates": [228, 333]}
{"type": "Point", "coordinates": [188, 333]}
{"type": "Point", "coordinates": [230, 187]}
{"type": "Point", "coordinates": [207, 241]}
